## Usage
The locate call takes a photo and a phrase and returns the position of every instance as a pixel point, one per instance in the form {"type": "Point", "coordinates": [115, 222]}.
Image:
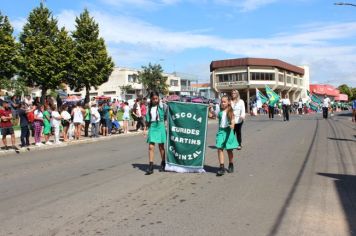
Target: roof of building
{"type": "Point", "coordinates": [206, 85]}
{"type": "Point", "coordinates": [255, 62]}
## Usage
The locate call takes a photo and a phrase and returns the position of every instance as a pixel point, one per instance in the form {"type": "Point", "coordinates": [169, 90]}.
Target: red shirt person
{"type": "Point", "coordinates": [6, 125]}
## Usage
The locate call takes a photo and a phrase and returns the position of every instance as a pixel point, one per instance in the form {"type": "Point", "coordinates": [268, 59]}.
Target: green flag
{"type": "Point", "coordinates": [187, 128]}
{"type": "Point", "coordinates": [272, 96]}
{"type": "Point", "coordinates": [315, 101]}
{"type": "Point", "coordinates": [260, 97]}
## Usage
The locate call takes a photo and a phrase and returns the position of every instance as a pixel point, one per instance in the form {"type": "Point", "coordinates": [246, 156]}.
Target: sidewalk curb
{"type": "Point", "coordinates": [66, 144]}
{"type": "Point", "coordinates": [71, 143]}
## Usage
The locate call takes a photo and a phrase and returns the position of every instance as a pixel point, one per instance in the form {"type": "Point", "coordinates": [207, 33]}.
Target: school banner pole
{"type": "Point", "coordinates": [186, 139]}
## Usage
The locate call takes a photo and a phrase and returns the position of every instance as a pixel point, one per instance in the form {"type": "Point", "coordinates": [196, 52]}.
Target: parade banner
{"type": "Point", "coordinates": [186, 139]}
{"type": "Point", "coordinates": [272, 96]}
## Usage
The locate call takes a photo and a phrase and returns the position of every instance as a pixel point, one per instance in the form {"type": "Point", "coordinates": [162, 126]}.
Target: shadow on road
{"type": "Point", "coordinates": [211, 169]}
{"type": "Point", "coordinates": [143, 167]}
{"type": "Point", "coordinates": [346, 188]}
{"type": "Point", "coordinates": [342, 139]}
{"type": "Point", "coordinates": [212, 147]}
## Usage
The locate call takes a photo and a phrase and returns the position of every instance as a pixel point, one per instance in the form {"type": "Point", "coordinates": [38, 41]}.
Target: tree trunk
{"type": "Point", "coordinates": [43, 94]}
{"type": "Point", "coordinates": [87, 99]}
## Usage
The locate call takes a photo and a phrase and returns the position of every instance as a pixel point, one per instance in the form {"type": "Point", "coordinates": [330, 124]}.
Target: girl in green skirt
{"type": "Point", "coordinates": [225, 138]}
{"type": "Point", "coordinates": [156, 130]}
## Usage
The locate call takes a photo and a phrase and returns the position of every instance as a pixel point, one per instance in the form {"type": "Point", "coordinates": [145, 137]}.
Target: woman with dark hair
{"type": "Point", "coordinates": [66, 119]}
{"type": "Point", "coordinates": [156, 130]}
{"type": "Point", "coordinates": [87, 119]}
{"type": "Point", "coordinates": [37, 124]}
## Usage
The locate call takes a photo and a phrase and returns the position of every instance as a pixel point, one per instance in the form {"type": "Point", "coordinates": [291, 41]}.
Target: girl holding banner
{"type": "Point", "coordinates": [225, 138]}
{"type": "Point", "coordinates": [156, 130]}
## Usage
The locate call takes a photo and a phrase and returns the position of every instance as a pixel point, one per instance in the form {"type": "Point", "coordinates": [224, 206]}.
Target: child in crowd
{"type": "Point", "coordinates": [156, 130]}
{"type": "Point", "coordinates": [126, 117]}
{"type": "Point", "coordinates": [38, 122]}
{"type": "Point", "coordinates": [225, 138]}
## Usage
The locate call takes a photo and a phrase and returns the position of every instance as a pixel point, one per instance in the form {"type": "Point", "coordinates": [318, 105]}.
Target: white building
{"type": "Point", "coordinates": [121, 77]}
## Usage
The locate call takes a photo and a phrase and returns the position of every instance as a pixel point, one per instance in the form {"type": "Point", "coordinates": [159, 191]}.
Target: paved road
{"type": "Point", "coordinates": [293, 178]}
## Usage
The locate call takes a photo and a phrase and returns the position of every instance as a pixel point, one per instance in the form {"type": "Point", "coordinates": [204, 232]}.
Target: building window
{"type": "Point", "coordinates": [174, 82]}
{"type": "Point", "coordinates": [301, 82]}
{"type": "Point", "coordinates": [289, 79]}
{"type": "Point", "coordinates": [295, 81]}
{"type": "Point", "coordinates": [262, 76]}
{"type": "Point", "coordinates": [280, 78]}
{"type": "Point", "coordinates": [132, 78]}
{"type": "Point", "coordinates": [93, 94]}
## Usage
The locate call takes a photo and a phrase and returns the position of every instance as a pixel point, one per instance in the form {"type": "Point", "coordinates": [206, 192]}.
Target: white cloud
{"type": "Point", "coordinates": [133, 41]}
{"type": "Point", "coordinates": [246, 5]}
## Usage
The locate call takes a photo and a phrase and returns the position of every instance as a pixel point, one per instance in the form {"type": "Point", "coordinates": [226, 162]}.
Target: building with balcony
{"type": "Point", "coordinates": [247, 74]}
{"type": "Point", "coordinates": [187, 81]}
{"type": "Point", "coordinates": [204, 90]}
{"type": "Point", "coordinates": [123, 84]}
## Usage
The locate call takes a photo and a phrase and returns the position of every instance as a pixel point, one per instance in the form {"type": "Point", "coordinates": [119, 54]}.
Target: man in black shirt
{"type": "Point", "coordinates": [25, 131]}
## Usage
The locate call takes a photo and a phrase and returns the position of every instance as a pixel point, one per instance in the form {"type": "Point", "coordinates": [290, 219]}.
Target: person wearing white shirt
{"type": "Point", "coordinates": [285, 107]}
{"type": "Point", "coordinates": [95, 120]}
{"type": "Point", "coordinates": [300, 107]}
{"type": "Point", "coordinates": [326, 105]}
{"type": "Point", "coordinates": [56, 121]}
{"type": "Point", "coordinates": [238, 105]}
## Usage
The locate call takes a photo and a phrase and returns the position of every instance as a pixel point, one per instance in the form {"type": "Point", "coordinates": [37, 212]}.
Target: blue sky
{"type": "Point", "coordinates": [186, 35]}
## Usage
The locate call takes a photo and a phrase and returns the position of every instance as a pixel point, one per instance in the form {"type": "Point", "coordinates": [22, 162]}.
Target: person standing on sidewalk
{"type": "Point", "coordinates": [56, 122]}
{"type": "Point", "coordinates": [66, 118]}
{"type": "Point", "coordinates": [286, 107]}
{"type": "Point", "coordinates": [126, 117]}
{"type": "Point", "coordinates": [143, 106]}
{"type": "Point", "coordinates": [77, 114]}
{"type": "Point", "coordinates": [47, 124]}
{"type": "Point", "coordinates": [6, 125]}
{"type": "Point", "coordinates": [38, 123]}
{"type": "Point", "coordinates": [238, 105]}
{"type": "Point", "coordinates": [326, 105]}
{"type": "Point", "coordinates": [24, 124]}
{"type": "Point", "coordinates": [95, 121]}
{"type": "Point", "coordinates": [87, 120]}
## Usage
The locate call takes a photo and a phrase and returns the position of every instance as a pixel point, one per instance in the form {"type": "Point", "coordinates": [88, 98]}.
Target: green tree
{"type": "Point", "coordinates": [152, 79]}
{"type": "Point", "coordinates": [345, 90]}
{"type": "Point", "coordinates": [45, 51]}
{"type": "Point", "coordinates": [9, 52]}
{"type": "Point", "coordinates": [125, 89]}
{"type": "Point", "coordinates": [353, 94]}
{"type": "Point", "coordinates": [92, 65]}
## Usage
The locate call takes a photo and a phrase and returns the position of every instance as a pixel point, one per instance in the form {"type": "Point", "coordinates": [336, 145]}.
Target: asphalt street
{"type": "Point", "coordinates": [292, 178]}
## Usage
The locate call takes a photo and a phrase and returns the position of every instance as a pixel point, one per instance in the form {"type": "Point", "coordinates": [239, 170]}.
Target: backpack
{"type": "Point", "coordinates": [30, 117]}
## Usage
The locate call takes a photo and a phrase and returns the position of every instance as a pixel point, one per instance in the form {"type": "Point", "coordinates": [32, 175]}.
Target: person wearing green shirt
{"type": "Point", "coordinates": [87, 118]}
{"type": "Point", "coordinates": [47, 124]}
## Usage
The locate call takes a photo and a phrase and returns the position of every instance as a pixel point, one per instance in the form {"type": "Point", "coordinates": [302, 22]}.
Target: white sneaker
{"type": "Point", "coordinates": [49, 143]}
{"type": "Point", "coordinates": [59, 142]}
{"type": "Point", "coordinates": [39, 144]}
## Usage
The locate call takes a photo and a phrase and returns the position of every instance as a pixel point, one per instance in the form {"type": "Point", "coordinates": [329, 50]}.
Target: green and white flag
{"type": "Point", "coordinates": [186, 139]}
{"type": "Point", "coordinates": [272, 96]}
{"type": "Point", "coordinates": [261, 99]}
{"type": "Point", "coordinates": [315, 101]}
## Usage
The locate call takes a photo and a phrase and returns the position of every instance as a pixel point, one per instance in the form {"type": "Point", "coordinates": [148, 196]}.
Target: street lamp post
{"type": "Point", "coordinates": [345, 4]}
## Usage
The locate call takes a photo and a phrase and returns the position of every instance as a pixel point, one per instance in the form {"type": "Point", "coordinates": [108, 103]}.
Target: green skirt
{"type": "Point", "coordinates": [157, 133]}
{"type": "Point", "coordinates": [46, 128]}
{"type": "Point", "coordinates": [226, 139]}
